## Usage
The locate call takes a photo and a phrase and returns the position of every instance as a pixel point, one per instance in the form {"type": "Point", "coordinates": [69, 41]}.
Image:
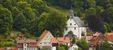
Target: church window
{"type": "Point", "coordinates": [70, 23]}
{"type": "Point", "coordinates": [74, 24]}
{"type": "Point", "coordinates": [75, 28]}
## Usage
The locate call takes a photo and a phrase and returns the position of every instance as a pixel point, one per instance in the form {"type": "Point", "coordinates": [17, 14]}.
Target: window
{"type": "Point", "coordinates": [40, 43]}
{"type": "Point", "coordinates": [25, 48]}
{"type": "Point", "coordinates": [70, 23]}
{"type": "Point", "coordinates": [75, 28]}
{"type": "Point", "coordinates": [45, 42]}
{"type": "Point", "coordinates": [47, 36]}
{"type": "Point", "coordinates": [26, 44]}
{"type": "Point", "coordinates": [74, 24]}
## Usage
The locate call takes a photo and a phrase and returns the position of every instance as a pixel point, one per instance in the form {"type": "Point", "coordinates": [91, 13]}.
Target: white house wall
{"type": "Point", "coordinates": [46, 41]}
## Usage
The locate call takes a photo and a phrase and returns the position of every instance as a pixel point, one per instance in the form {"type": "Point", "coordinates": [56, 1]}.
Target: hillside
{"type": "Point", "coordinates": [32, 17]}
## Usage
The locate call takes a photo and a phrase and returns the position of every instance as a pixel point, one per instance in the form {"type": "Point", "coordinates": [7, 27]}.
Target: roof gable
{"type": "Point", "coordinates": [43, 35]}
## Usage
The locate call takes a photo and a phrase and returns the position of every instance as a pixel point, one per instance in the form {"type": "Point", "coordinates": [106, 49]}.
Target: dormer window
{"type": "Point", "coordinates": [70, 23]}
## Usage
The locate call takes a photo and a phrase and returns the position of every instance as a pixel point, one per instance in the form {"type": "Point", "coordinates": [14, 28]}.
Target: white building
{"type": "Point", "coordinates": [45, 40]}
{"type": "Point", "coordinates": [75, 27]}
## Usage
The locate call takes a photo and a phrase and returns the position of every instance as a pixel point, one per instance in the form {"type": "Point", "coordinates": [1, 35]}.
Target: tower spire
{"type": "Point", "coordinates": [71, 14]}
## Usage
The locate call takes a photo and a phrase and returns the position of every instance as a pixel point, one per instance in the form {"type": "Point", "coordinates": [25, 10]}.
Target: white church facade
{"type": "Point", "coordinates": [75, 27]}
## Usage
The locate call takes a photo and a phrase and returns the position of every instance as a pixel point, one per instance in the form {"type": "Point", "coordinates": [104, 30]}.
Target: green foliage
{"type": "Point", "coordinates": [95, 23]}
{"type": "Point", "coordinates": [83, 33]}
{"type": "Point", "coordinates": [79, 48]}
{"type": "Point", "coordinates": [40, 6]}
{"type": "Point", "coordinates": [103, 3]}
{"type": "Point", "coordinates": [86, 7]}
{"type": "Point", "coordinates": [34, 16]}
{"type": "Point", "coordinates": [104, 46]}
{"type": "Point", "coordinates": [99, 9]}
{"type": "Point", "coordinates": [54, 21]}
{"type": "Point", "coordinates": [22, 5]}
{"type": "Point", "coordinates": [6, 42]}
{"type": "Point", "coordinates": [110, 10]}
{"type": "Point", "coordinates": [19, 19]}
{"type": "Point", "coordinates": [91, 11]}
{"type": "Point", "coordinates": [60, 48]}
{"type": "Point", "coordinates": [65, 46]}
{"type": "Point", "coordinates": [73, 40]}
{"type": "Point", "coordinates": [5, 20]}
{"type": "Point", "coordinates": [63, 3]}
{"type": "Point", "coordinates": [91, 3]}
{"type": "Point", "coordinates": [82, 44]}
{"type": "Point", "coordinates": [107, 46]}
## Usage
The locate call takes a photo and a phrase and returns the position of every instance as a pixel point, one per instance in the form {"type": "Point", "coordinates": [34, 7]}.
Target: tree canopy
{"type": "Point", "coordinates": [82, 44]}
{"type": "Point", "coordinates": [54, 21]}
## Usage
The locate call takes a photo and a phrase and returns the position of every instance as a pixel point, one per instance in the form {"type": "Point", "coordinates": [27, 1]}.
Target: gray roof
{"type": "Point", "coordinates": [78, 21]}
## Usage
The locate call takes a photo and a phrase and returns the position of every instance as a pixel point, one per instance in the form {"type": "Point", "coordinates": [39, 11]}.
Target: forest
{"type": "Point", "coordinates": [35, 16]}
{"type": "Point", "coordinates": [96, 14]}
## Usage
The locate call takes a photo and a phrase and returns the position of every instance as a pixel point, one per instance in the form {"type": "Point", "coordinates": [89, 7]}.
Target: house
{"type": "Point", "coordinates": [45, 40]}
{"type": "Point", "coordinates": [95, 39]}
{"type": "Point", "coordinates": [109, 37]}
{"type": "Point", "coordinates": [56, 41]}
{"type": "Point", "coordinates": [75, 27]}
{"type": "Point", "coordinates": [8, 48]}
{"type": "Point", "coordinates": [25, 44]}
{"type": "Point", "coordinates": [88, 38]}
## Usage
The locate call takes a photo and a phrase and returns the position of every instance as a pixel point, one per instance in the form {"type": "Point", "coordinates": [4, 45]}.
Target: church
{"type": "Point", "coordinates": [75, 27]}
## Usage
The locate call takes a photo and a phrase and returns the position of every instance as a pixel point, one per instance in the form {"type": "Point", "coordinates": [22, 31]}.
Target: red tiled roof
{"type": "Point", "coordinates": [109, 36]}
{"type": "Point", "coordinates": [89, 37]}
{"type": "Point", "coordinates": [26, 41]}
{"type": "Point", "coordinates": [43, 35]}
{"type": "Point", "coordinates": [97, 34]}
{"type": "Point", "coordinates": [61, 40]}
{"type": "Point", "coordinates": [30, 42]}
{"type": "Point", "coordinates": [94, 40]}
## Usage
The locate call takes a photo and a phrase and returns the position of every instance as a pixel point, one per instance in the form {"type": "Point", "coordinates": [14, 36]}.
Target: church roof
{"type": "Point", "coordinates": [78, 21]}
